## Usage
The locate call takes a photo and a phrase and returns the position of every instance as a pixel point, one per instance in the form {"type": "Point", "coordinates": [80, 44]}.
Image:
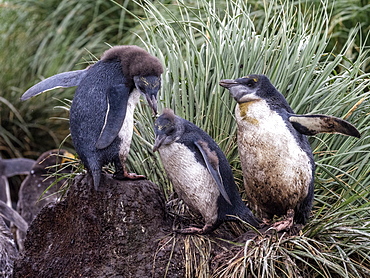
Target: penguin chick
{"type": "Point", "coordinates": [199, 171]}
{"type": "Point", "coordinates": [276, 158]}
{"type": "Point", "coordinates": [101, 114]}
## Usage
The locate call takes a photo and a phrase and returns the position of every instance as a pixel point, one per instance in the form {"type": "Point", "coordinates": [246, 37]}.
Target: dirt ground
{"type": "Point", "coordinates": [123, 230]}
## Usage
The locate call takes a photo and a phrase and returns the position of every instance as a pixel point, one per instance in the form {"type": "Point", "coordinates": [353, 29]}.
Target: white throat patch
{"type": "Point", "coordinates": [126, 130]}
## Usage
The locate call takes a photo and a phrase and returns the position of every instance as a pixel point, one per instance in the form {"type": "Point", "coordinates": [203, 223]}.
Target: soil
{"type": "Point", "coordinates": [123, 230]}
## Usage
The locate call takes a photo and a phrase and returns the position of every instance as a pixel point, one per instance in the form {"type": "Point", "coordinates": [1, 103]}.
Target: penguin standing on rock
{"type": "Point", "coordinates": [199, 171]}
{"type": "Point", "coordinates": [276, 158]}
{"type": "Point", "coordinates": [101, 114]}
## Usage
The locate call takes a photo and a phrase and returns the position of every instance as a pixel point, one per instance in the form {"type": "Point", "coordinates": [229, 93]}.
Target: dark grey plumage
{"type": "Point", "coordinates": [101, 114]}
{"type": "Point", "coordinates": [199, 171]}
{"type": "Point", "coordinates": [276, 158]}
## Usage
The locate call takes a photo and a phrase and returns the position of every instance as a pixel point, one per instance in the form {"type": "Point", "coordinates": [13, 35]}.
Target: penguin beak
{"type": "Point", "coordinates": [152, 101]}
{"type": "Point", "coordinates": [158, 142]}
{"type": "Point", "coordinates": [228, 83]}
{"type": "Point", "coordinates": [149, 87]}
{"type": "Point", "coordinates": [234, 89]}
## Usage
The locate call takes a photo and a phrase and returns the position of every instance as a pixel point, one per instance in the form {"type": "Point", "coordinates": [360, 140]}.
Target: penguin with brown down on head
{"type": "Point", "coordinates": [102, 110]}
{"type": "Point", "coordinates": [199, 172]}
{"type": "Point", "coordinates": [276, 157]}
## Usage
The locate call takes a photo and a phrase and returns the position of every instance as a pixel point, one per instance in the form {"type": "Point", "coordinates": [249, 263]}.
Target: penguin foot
{"type": "Point", "coordinates": [266, 221]}
{"type": "Point", "coordinates": [190, 230]}
{"type": "Point", "coordinates": [194, 230]}
{"type": "Point", "coordinates": [286, 224]}
{"type": "Point", "coordinates": [127, 176]}
{"type": "Point", "coordinates": [133, 176]}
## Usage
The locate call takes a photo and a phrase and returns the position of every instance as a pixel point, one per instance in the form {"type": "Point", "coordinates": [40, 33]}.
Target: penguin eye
{"type": "Point", "coordinates": [171, 130]}
{"type": "Point", "coordinates": [250, 84]}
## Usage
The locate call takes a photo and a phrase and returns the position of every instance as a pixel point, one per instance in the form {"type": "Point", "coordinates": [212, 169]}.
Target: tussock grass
{"type": "Point", "coordinates": [205, 42]}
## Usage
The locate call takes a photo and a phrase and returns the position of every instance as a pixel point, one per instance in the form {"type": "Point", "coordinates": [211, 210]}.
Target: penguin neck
{"type": "Point", "coordinates": [133, 98]}
{"type": "Point", "coordinates": [247, 110]}
{"type": "Point", "coordinates": [125, 134]}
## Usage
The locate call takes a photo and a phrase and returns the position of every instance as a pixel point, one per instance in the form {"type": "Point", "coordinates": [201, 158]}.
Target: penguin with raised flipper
{"type": "Point", "coordinates": [276, 157]}
{"type": "Point", "coordinates": [199, 172]}
{"type": "Point", "coordinates": [101, 114]}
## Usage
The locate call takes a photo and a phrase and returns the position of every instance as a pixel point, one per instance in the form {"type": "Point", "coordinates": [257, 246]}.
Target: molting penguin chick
{"type": "Point", "coordinates": [276, 158]}
{"type": "Point", "coordinates": [101, 114]}
{"type": "Point", "coordinates": [199, 171]}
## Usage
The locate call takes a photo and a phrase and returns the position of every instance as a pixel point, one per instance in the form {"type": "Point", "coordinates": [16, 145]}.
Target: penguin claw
{"type": "Point", "coordinates": [266, 221]}
{"type": "Point", "coordinates": [286, 224]}
{"type": "Point", "coordinates": [190, 230]}
{"type": "Point", "coordinates": [194, 230]}
{"type": "Point", "coordinates": [133, 176]}
{"type": "Point", "coordinates": [127, 176]}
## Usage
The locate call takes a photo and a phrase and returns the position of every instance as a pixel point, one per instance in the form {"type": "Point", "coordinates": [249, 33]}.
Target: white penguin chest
{"type": "Point", "coordinates": [191, 180]}
{"type": "Point", "coordinates": [126, 131]}
{"type": "Point", "coordinates": [276, 170]}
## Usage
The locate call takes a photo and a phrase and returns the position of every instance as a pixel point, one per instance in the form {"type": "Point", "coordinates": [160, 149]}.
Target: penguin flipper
{"type": "Point", "coordinates": [13, 216]}
{"type": "Point", "coordinates": [61, 80]}
{"type": "Point", "coordinates": [212, 162]}
{"type": "Point", "coordinates": [313, 124]}
{"type": "Point", "coordinates": [117, 105]}
{"type": "Point", "coordinates": [17, 166]}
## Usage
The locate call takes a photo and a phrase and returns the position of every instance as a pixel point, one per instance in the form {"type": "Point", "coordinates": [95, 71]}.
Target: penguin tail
{"type": "Point", "coordinates": [96, 175]}
{"type": "Point", "coordinates": [248, 216]}
{"type": "Point", "coordinates": [303, 210]}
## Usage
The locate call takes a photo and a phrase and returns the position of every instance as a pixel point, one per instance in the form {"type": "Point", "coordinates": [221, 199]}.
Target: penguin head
{"type": "Point", "coordinates": [141, 69]}
{"type": "Point", "coordinates": [168, 128]}
{"type": "Point", "coordinates": [249, 88]}
{"type": "Point", "coordinates": [149, 87]}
